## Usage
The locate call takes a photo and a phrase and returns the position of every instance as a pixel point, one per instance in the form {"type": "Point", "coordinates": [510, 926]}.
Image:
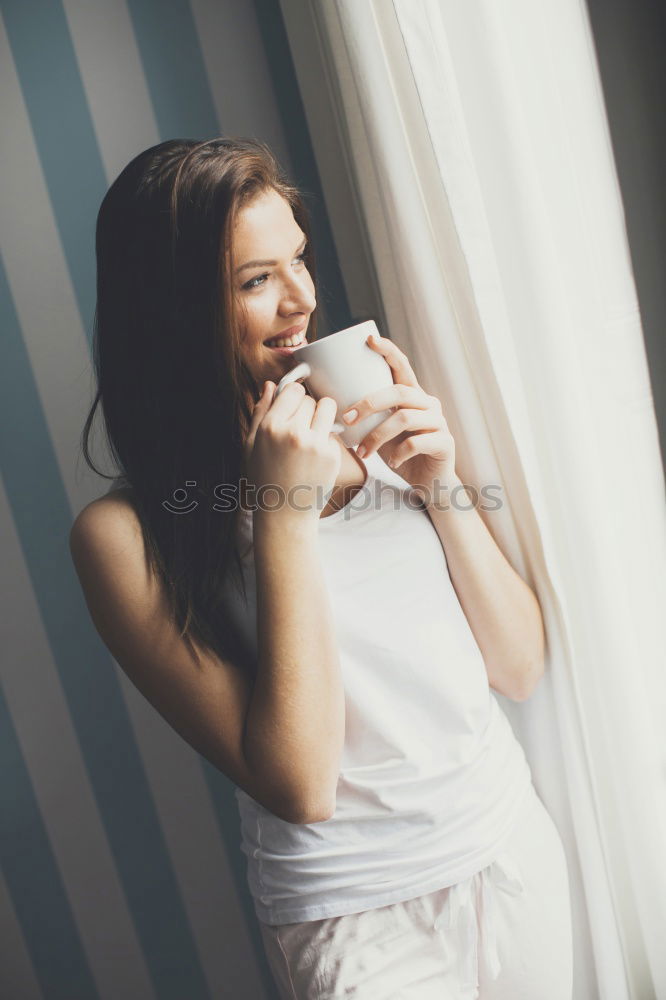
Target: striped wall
{"type": "Point", "coordinates": [121, 873]}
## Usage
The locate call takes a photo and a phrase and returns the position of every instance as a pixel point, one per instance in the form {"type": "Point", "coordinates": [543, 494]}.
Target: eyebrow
{"type": "Point", "coordinates": [267, 263]}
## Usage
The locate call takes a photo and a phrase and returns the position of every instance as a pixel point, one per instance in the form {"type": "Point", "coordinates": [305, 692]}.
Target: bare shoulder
{"type": "Point", "coordinates": [113, 509]}
{"type": "Point", "coordinates": [106, 535]}
{"type": "Point", "coordinates": [126, 600]}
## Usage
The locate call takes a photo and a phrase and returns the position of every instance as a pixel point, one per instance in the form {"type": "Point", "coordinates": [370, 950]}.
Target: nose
{"type": "Point", "coordinates": [298, 294]}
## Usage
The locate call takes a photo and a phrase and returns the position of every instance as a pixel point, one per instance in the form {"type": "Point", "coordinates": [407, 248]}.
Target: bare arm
{"type": "Point", "coordinates": [503, 612]}
{"type": "Point", "coordinates": [296, 720]}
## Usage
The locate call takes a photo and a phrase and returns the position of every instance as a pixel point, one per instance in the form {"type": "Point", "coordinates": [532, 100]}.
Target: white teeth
{"type": "Point", "coordinates": [286, 341]}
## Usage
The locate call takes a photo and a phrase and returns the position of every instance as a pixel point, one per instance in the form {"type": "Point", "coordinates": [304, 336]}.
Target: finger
{"type": "Point", "coordinates": [397, 359]}
{"type": "Point", "coordinates": [397, 395]}
{"type": "Point", "coordinates": [324, 415]}
{"type": "Point", "coordinates": [264, 401]}
{"type": "Point", "coordinates": [303, 414]}
{"type": "Point", "coordinates": [419, 444]}
{"type": "Point", "coordinates": [285, 405]}
{"type": "Point", "coordinates": [410, 421]}
{"type": "Point", "coordinates": [260, 409]}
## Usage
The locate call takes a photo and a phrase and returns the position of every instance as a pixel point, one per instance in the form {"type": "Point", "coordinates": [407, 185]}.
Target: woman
{"type": "Point", "coordinates": [331, 657]}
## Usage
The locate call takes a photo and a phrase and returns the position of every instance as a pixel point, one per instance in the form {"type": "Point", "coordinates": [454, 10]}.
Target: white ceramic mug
{"type": "Point", "coordinates": [345, 368]}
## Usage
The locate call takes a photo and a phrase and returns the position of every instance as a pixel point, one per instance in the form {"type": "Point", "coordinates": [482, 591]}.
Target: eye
{"type": "Point", "coordinates": [261, 278]}
{"type": "Point", "coordinates": [255, 282]}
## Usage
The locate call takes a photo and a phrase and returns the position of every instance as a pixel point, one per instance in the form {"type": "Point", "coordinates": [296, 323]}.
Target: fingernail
{"type": "Point", "coordinates": [361, 450]}
{"type": "Point", "coordinates": [349, 416]}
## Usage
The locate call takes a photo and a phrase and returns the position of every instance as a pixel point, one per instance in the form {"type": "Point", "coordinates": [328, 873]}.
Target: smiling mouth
{"type": "Point", "coordinates": [286, 343]}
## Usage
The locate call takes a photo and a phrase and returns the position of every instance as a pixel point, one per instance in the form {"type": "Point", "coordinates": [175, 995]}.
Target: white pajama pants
{"type": "Point", "coordinates": [502, 934]}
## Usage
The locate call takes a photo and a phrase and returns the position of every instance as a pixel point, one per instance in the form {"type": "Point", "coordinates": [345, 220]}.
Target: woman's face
{"type": "Point", "coordinates": [276, 295]}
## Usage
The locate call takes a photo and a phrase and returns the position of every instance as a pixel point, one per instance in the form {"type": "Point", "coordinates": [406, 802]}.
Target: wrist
{"type": "Point", "coordinates": [284, 520]}
{"type": "Point", "coordinates": [446, 493]}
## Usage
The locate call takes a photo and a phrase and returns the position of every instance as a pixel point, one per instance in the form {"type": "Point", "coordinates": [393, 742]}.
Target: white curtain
{"type": "Point", "coordinates": [477, 141]}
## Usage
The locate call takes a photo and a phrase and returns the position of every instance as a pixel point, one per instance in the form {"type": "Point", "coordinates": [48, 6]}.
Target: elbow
{"type": "Point", "coordinates": [528, 680]}
{"type": "Point", "coordinates": [309, 815]}
{"type": "Point", "coordinates": [515, 669]}
{"type": "Point", "coordinates": [516, 683]}
{"type": "Point", "coordinates": [297, 810]}
{"type": "Point", "coordinates": [313, 811]}
{"type": "Point", "coordinates": [315, 805]}
{"type": "Point", "coordinates": [295, 800]}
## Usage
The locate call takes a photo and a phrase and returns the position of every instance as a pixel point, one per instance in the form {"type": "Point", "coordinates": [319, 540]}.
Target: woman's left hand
{"type": "Point", "coordinates": [415, 439]}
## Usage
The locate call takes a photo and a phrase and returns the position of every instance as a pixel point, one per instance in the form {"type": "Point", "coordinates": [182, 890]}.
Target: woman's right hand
{"type": "Point", "coordinates": [290, 446]}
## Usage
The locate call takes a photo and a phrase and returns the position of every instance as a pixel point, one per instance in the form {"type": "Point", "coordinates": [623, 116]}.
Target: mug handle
{"type": "Point", "coordinates": [302, 371]}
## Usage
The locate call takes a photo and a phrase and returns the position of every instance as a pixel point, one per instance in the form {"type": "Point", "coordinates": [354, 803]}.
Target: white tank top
{"type": "Point", "coordinates": [431, 776]}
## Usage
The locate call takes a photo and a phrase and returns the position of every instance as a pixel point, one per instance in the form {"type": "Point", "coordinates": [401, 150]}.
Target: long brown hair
{"type": "Point", "coordinates": [175, 394]}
